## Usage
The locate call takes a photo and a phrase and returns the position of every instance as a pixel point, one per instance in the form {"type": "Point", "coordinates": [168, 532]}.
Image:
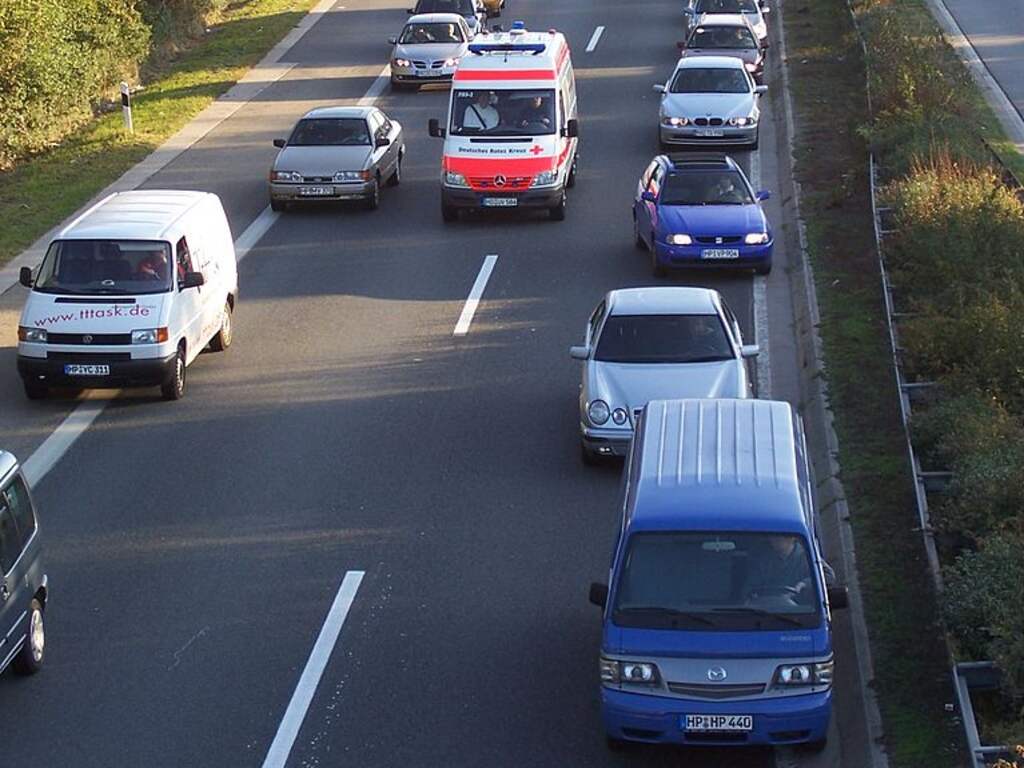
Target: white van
{"type": "Point", "coordinates": [510, 140]}
{"type": "Point", "coordinates": [129, 293]}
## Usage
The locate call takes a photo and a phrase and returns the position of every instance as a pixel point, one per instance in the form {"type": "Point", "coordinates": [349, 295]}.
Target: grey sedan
{"type": "Point", "coordinates": [726, 34]}
{"type": "Point", "coordinates": [646, 344]}
{"type": "Point", "coordinates": [337, 153]}
{"type": "Point", "coordinates": [428, 50]}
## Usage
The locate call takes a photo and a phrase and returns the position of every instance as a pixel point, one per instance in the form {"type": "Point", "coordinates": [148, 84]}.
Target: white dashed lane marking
{"type": "Point", "coordinates": [477, 291]}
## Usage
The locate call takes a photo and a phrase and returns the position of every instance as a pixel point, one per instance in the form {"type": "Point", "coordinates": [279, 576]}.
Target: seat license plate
{"type": "Point", "coordinates": [720, 253]}
{"type": "Point", "coordinates": [315, 191]}
{"type": "Point", "coordinates": [86, 370]}
{"type": "Point", "coordinates": [500, 202]}
{"type": "Point", "coordinates": [428, 73]}
{"type": "Point", "coordinates": [718, 723]}
{"type": "Point", "coordinates": [710, 132]}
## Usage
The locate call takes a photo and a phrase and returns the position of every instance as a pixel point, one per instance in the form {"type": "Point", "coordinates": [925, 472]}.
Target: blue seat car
{"type": "Point", "coordinates": [716, 618]}
{"type": "Point", "coordinates": [699, 210]}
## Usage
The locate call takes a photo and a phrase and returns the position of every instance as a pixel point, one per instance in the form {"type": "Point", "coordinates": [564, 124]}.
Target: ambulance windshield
{"type": "Point", "coordinates": [501, 112]}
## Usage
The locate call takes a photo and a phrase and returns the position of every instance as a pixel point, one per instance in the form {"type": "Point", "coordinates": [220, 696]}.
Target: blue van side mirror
{"type": "Point", "coordinates": [599, 594]}
{"type": "Point", "coordinates": [838, 597]}
{"type": "Point", "coordinates": [763, 194]}
{"type": "Point", "coordinates": [648, 196]}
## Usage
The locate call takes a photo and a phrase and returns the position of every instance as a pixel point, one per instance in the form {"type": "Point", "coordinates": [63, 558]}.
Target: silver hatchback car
{"type": "Point", "coordinates": [428, 50]}
{"type": "Point", "coordinates": [645, 344]}
{"type": "Point", "coordinates": [337, 153]}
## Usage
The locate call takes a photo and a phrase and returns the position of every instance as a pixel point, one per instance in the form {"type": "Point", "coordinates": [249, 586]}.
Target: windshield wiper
{"type": "Point", "coordinates": [761, 612]}
{"type": "Point", "coordinates": [708, 359]}
{"type": "Point", "coordinates": [662, 611]}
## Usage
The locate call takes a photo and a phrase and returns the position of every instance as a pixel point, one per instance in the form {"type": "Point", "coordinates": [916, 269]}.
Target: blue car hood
{"type": "Point", "coordinates": [712, 220]}
{"type": "Point", "coordinates": [646, 643]}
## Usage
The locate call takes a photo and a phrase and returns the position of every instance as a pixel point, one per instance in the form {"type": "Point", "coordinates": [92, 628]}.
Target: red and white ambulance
{"type": "Point", "coordinates": [511, 137]}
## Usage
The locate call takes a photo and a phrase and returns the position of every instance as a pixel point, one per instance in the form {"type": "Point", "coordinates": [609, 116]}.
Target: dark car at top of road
{"type": "Point", "coordinates": [699, 210]}
{"type": "Point", "coordinates": [472, 10]}
{"type": "Point", "coordinates": [24, 585]}
{"type": "Point", "coordinates": [754, 10]}
{"type": "Point", "coordinates": [337, 153]}
{"type": "Point", "coordinates": [726, 34]}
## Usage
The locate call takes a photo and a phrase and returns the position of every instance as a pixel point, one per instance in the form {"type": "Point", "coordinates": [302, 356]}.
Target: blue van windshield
{"type": "Point", "coordinates": [717, 581]}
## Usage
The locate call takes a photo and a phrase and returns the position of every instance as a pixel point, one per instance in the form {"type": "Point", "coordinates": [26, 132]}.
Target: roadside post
{"type": "Point", "coordinates": [126, 107]}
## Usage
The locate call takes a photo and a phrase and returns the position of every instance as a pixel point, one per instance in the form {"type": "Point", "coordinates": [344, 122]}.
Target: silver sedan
{"type": "Point", "coordinates": [337, 153]}
{"type": "Point", "coordinates": [645, 344]}
{"type": "Point", "coordinates": [428, 50]}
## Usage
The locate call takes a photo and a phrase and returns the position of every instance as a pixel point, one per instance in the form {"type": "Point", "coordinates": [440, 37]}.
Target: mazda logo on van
{"type": "Point", "coordinates": [499, 180]}
{"type": "Point", "coordinates": [717, 674]}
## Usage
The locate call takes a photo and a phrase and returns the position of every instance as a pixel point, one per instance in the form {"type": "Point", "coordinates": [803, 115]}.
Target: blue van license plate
{"type": "Point", "coordinates": [719, 723]}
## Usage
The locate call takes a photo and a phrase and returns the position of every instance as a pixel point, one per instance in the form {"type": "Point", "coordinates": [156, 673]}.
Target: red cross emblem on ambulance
{"type": "Point", "coordinates": [536, 149]}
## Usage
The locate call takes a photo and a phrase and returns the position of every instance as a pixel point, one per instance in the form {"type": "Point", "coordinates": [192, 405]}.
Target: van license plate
{"type": "Point", "coordinates": [86, 370]}
{"type": "Point", "coordinates": [720, 253]}
{"type": "Point", "coordinates": [315, 191]}
{"type": "Point", "coordinates": [500, 202]}
{"type": "Point", "coordinates": [718, 723]}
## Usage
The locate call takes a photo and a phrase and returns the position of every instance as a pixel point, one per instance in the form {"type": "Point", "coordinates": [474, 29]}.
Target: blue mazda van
{"type": "Point", "coordinates": [716, 615]}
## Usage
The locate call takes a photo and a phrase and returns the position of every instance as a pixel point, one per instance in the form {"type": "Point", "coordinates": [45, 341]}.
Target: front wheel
{"type": "Point", "coordinates": [35, 391]}
{"type": "Point", "coordinates": [373, 198]}
{"type": "Point", "coordinates": [570, 180]}
{"type": "Point", "coordinates": [277, 205]}
{"type": "Point", "coordinates": [174, 388]}
{"type": "Point", "coordinates": [588, 457]}
{"type": "Point", "coordinates": [30, 658]}
{"type": "Point", "coordinates": [763, 269]}
{"type": "Point", "coordinates": [557, 211]}
{"type": "Point", "coordinates": [222, 340]}
{"type": "Point", "coordinates": [396, 177]}
{"type": "Point", "coordinates": [638, 239]}
{"type": "Point", "coordinates": [449, 213]}
{"type": "Point", "coordinates": [659, 269]}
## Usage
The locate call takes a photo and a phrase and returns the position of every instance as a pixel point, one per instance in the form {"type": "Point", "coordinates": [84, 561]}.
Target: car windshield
{"type": "Point", "coordinates": [705, 188]}
{"type": "Point", "coordinates": [721, 37]}
{"type": "Point", "coordinates": [663, 339]}
{"type": "Point", "coordinates": [716, 80]}
{"type": "Point", "coordinates": [461, 7]}
{"type": "Point", "coordinates": [505, 112]}
{"type": "Point", "coordinates": [106, 267]}
{"type": "Point", "coordinates": [726, 6]}
{"type": "Point", "coordinates": [415, 34]}
{"type": "Point", "coordinates": [716, 580]}
{"type": "Point", "coordinates": [330, 132]}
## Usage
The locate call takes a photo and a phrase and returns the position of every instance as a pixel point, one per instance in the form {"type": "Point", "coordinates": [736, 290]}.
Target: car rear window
{"type": "Point", "coordinates": [663, 339]}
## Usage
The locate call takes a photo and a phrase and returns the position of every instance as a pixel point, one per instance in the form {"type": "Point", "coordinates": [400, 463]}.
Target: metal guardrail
{"type": "Point", "coordinates": [979, 675]}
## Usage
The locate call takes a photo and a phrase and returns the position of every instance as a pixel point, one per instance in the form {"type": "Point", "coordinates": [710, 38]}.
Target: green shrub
{"type": "Point", "coordinates": [984, 593]}
{"type": "Point", "coordinates": [57, 59]}
{"type": "Point", "coordinates": [172, 20]}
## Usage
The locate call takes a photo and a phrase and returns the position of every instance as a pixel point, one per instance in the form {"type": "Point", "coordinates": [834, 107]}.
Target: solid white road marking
{"type": "Point", "coordinates": [462, 327]}
{"type": "Point", "coordinates": [595, 39]}
{"type": "Point", "coordinates": [46, 456]}
{"type": "Point", "coordinates": [288, 731]}
{"type": "Point", "coordinates": [760, 290]}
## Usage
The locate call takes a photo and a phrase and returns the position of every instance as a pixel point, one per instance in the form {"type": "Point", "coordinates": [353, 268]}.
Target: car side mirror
{"type": "Point", "coordinates": [760, 89]}
{"type": "Point", "coordinates": [25, 276]}
{"type": "Point", "coordinates": [392, 40]}
{"type": "Point", "coordinates": [681, 45]}
{"type": "Point", "coordinates": [383, 141]}
{"type": "Point", "coordinates": [750, 350]}
{"type": "Point", "coordinates": [410, 10]}
{"type": "Point", "coordinates": [279, 143]}
{"type": "Point", "coordinates": [766, 45]}
{"type": "Point", "coordinates": [579, 352]}
{"type": "Point", "coordinates": [572, 128]}
{"type": "Point", "coordinates": [658, 88]}
{"type": "Point", "coordinates": [763, 194]}
{"type": "Point", "coordinates": [434, 128]}
{"type": "Point", "coordinates": [648, 196]}
{"type": "Point", "coordinates": [838, 596]}
{"type": "Point", "coordinates": [598, 594]}
{"type": "Point", "coordinates": [192, 280]}
{"type": "Point", "coordinates": [765, 9]}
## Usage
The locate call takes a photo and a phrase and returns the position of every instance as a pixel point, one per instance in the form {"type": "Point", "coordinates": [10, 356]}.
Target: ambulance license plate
{"type": "Point", "coordinates": [718, 723]}
{"type": "Point", "coordinates": [86, 370]}
{"type": "Point", "coordinates": [315, 191]}
{"type": "Point", "coordinates": [500, 202]}
{"type": "Point", "coordinates": [720, 253]}
{"type": "Point", "coordinates": [710, 133]}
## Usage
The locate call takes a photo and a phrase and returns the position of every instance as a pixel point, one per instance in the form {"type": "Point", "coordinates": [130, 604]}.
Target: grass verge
{"type": "Point", "coordinates": [911, 674]}
{"type": "Point", "coordinates": [43, 190]}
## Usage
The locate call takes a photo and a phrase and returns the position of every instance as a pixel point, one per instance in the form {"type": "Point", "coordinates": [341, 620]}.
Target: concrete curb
{"type": "Point", "coordinates": [824, 442]}
{"type": "Point", "coordinates": [266, 72]}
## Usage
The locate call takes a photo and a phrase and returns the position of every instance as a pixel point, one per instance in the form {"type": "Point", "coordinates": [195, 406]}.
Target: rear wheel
{"type": "Point", "coordinates": [35, 391]}
{"type": "Point", "coordinates": [557, 211]}
{"type": "Point", "coordinates": [174, 387]}
{"type": "Point", "coordinates": [30, 658]}
{"type": "Point", "coordinates": [222, 340]}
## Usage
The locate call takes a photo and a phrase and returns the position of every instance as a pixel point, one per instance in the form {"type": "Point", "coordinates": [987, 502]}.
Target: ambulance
{"type": "Point", "coordinates": [511, 136]}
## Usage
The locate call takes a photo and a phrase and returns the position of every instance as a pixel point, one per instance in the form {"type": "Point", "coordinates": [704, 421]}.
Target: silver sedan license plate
{"type": "Point", "coordinates": [86, 370]}
{"type": "Point", "coordinates": [711, 132]}
{"type": "Point", "coordinates": [720, 253]}
{"type": "Point", "coordinates": [315, 191]}
{"type": "Point", "coordinates": [718, 723]}
{"type": "Point", "coordinates": [500, 202]}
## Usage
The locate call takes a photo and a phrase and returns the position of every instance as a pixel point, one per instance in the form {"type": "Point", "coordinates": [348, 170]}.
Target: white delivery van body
{"type": "Point", "coordinates": [129, 293]}
{"type": "Point", "coordinates": [511, 137]}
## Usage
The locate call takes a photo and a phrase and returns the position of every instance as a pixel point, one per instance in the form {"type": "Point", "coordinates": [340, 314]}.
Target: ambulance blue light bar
{"type": "Point", "coordinates": [533, 48]}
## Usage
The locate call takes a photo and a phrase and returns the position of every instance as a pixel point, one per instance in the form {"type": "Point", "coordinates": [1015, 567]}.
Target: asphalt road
{"type": "Point", "coordinates": [195, 548]}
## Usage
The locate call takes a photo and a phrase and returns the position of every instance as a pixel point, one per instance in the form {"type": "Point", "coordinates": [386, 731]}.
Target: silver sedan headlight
{"type": "Point", "coordinates": [674, 122]}
{"type": "Point", "coordinates": [743, 121]}
{"type": "Point", "coordinates": [598, 412]}
{"type": "Point", "coordinates": [285, 176]}
{"type": "Point", "coordinates": [343, 176]}
{"type": "Point", "coordinates": [400, 62]}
